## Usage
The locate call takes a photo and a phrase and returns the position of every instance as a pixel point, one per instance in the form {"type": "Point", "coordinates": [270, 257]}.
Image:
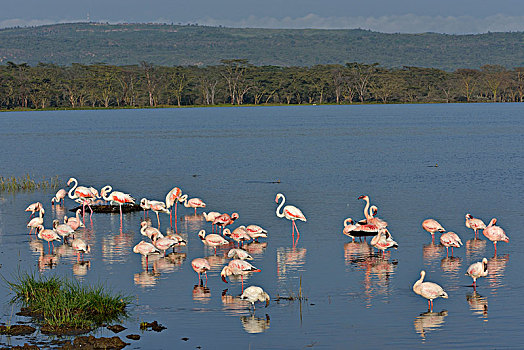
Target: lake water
{"type": "Point", "coordinates": [324, 157]}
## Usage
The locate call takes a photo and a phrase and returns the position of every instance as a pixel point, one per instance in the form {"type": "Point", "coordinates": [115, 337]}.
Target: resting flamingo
{"type": "Point", "coordinates": [495, 233]}
{"type": "Point", "coordinates": [374, 220]}
{"type": "Point", "coordinates": [237, 253]}
{"type": "Point", "coordinates": [172, 199]}
{"type": "Point", "coordinates": [210, 217]}
{"type": "Point", "coordinates": [149, 231]}
{"type": "Point", "coordinates": [349, 225]}
{"type": "Point", "coordinates": [239, 234]}
{"type": "Point", "coordinates": [432, 226]}
{"type": "Point", "coordinates": [291, 213]}
{"type": "Point", "coordinates": [118, 197]}
{"type": "Point", "coordinates": [194, 203]}
{"type": "Point", "coordinates": [200, 265]}
{"type": "Point", "coordinates": [383, 241]}
{"type": "Point", "coordinates": [59, 196]}
{"type": "Point", "coordinates": [81, 193]}
{"type": "Point", "coordinates": [225, 220]}
{"type": "Point", "coordinates": [212, 240]}
{"type": "Point", "coordinates": [256, 232]}
{"type": "Point", "coordinates": [474, 223]}
{"type": "Point", "coordinates": [237, 267]}
{"type": "Point", "coordinates": [74, 222]}
{"type": "Point", "coordinates": [63, 230]}
{"type": "Point", "coordinates": [428, 290]}
{"type": "Point", "coordinates": [477, 270]}
{"type": "Point", "coordinates": [145, 249]}
{"type": "Point", "coordinates": [450, 239]}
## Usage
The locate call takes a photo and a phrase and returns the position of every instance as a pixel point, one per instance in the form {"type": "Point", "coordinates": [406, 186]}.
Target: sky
{"type": "Point", "coordinates": [390, 16]}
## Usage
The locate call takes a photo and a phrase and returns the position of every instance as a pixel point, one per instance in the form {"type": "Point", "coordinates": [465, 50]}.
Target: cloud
{"type": "Point", "coordinates": [408, 23]}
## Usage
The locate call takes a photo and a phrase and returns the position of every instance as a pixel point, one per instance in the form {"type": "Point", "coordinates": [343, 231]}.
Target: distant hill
{"type": "Point", "coordinates": [125, 44]}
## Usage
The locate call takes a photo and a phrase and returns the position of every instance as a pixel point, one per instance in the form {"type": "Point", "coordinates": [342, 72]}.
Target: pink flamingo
{"type": "Point", "coordinates": [256, 232]}
{"type": "Point", "coordinates": [164, 243]}
{"type": "Point", "coordinates": [158, 207]}
{"type": "Point", "coordinates": [237, 267]}
{"type": "Point", "coordinates": [59, 196]}
{"type": "Point", "coordinates": [225, 220]}
{"type": "Point", "coordinates": [117, 197]}
{"type": "Point", "coordinates": [349, 225]}
{"type": "Point", "coordinates": [374, 220]}
{"type": "Point", "coordinates": [63, 230]}
{"type": "Point", "coordinates": [495, 233]}
{"type": "Point", "coordinates": [450, 239]}
{"type": "Point", "coordinates": [144, 204]}
{"type": "Point", "coordinates": [200, 265]}
{"type": "Point", "coordinates": [428, 290]}
{"type": "Point", "coordinates": [291, 213]}
{"type": "Point", "coordinates": [145, 249]}
{"type": "Point", "coordinates": [194, 203]}
{"type": "Point", "coordinates": [475, 224]}
{"type": "Point", "coordinates": [75, 222]}
{"type": "Point", "coordinates": [33, 208]}
{"type": "Point", "coordinates": [212, 240]}
{"type": "Point", "coordinates": [172, 199]}
{"type": "Point", "coordinates": [81, 247]}
{"type": "Point", "coordinates": [210, 217]}
{"type": "Point", "coordinates": [237, 253]}
{"type": "Point", "coordinates": [477, 270]}
{"type": "Point", "coordinates": [47, 235]}
{"type": "Point", "coordinates": [432, 226]}
{"type": "Point", "coordinates": [81, 193]}
{"type": "Point", "coordinates": [239, 235]}
{"type": "Point", "coordinates": [149, 231]}
{"type": "Point", "coordinates": [383, 241]}
{"type": "Point", "coordinates": [35, 222]}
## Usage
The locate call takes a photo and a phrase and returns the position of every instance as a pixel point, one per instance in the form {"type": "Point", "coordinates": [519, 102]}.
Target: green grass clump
{"type": "Point", "coordinates": [26, 183]}
{"type": "Point", "coordinates": [61, 302]}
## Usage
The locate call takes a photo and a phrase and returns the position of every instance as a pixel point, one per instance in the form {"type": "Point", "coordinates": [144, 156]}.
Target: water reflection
{"type": "Point", "coordinates": [58, 212]}
{"type": "Point", "coordinates": [234, 304]}
{"type": "Point", "coordinates": [256, 248]}
{"type": "Point", "coordinates": [146, 278]}
{"type": "Point", "coordinates": [451, 265]}
{"type": "Point", "coordinates": [201, 293]}
{"type": "Point", "coordinates": [431, 252]}
{"type": "Point", "coordinates": [496, 268]}
{"type": "Point", "coordinates": [192, 223]}
{"type": "Point", "coordinates": [429, 321]}
{"type": "Point", "coordinates": [116, 247]}
{"type": "Point", "coordinates": [475, 248]}
{"type": "Point", "coordinates": [80, 268]}
{"type": "Point", "coordinates": [478, 304]}
{"type": "Point", "coordinates": [217, 261]}
{"type": "Point", "coordinates": [47, 261]}
{"type": "Point", "coordinates": [169, 263]}
{"type": "Point", "coordinates": [290, 261]}
{"type": "Point", "coordinates": [254, 324]}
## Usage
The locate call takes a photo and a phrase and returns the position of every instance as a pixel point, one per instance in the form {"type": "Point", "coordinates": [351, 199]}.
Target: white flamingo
{"type": "Point", "coordinates": [118, 197]}
{"type": "Point", "coordinates": [428, 290]}
{"type": "Point", "coordinates": [291, 213]}
{"type": "Point", "coordinates": [474, 224]}
{"type": "Point", "coordinates": [254, 294]}
{"type": "Point", "coordinates": [495, 233]}
{"type": "Point", "coordinates": [432, 226]}
{"type": "Point", "coordinates": [237, 268]}
{"type": "Point", "coordinates": [477, 270]}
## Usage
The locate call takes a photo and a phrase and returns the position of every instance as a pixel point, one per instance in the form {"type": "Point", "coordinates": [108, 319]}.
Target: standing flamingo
{"type": "Point", "coordinates": [81, 193]}
{"type": "Point", "coordinates": [291, 213]}
{"type": "Point", "coordinates": [254, 294]}
{"type": "Point", "coordinates": [349, 226]}
{"type": "Point", "coordinates": [225, 220]}
{"type": "Point", "coordinates": [212, 240]}
{"type": "Point", "coordinates": [477, 270]}
{"type": "Point", "coordinates": [35, 222]}
{"type": "Point", "coordinates": [172, 199]}
{"type": "Point", "coordinates": [450, 239]}
{"type": "Point", "coordinates": [374, 220]}
{"type": "Point", "coordinates": [495, 233]}
{"type": "Point", "coordinates": [383, 241]}
{"type": "Point", "coordinates": [200, 265]}
{"type": "Point", "coordinates": [194, 203]}
{"type": "Point", "coordinates": [81, 247]}
{"type": "Point", "coordinates": [33, 208]}
{"type": "Point", "coordinates": [475, 224]}
{"type": "Point", "coordinates": [144, 204]}
{"type": "Point", "coordinates": [237, 267]}
{"type": "Point", "coordinates": [117, 197]}
{"type": "Point", "coordinates": [239, 234]}
{"type": "Point", "coordinates": [158, 207]}
{"type": "Point", "coordinates": [256, 232]}
{"type": "Point", "coordinates": [144, 248]}
{"type": "Point", "coordinates": [210, 217]}
{"type": "Point", "coordinates": [432, 226]}
{"type": "Point", "coordinates": [75, 222]}
{"type": "Point", "coordinates": [47, 235]}
{"type": "Point", "coordinates": [59, 196]}
{"type": "Point", "coordinates": [428, 290]}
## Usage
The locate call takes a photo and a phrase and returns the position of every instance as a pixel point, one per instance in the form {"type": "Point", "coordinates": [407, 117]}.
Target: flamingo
{"type": "Point", "coordinates": [432, 226]}
{"type": "Point", "coordinates": [210, 217]}
{"type": "Point", "coordinates": [118, 197]}
{"type": "Point", "coordinates": [495, 233]}
{"type": "Point", "coordinates": [450, 239]}
{"type": "Point", "coordinates": [237, 253]}
{"type": "Point", "coordinates": [75, 222]}
{"type": "Point", "coordinates": [47, 235]}
{"type": "Point", "coordinates": [158, 207]}
{"type": "Point", "coordinates": [256, 232]}
{"type": "Point", "coordinates": [63, 230]}
{"type": "Point", "coordinates": [475, 224]}
{"type": "Point", "coordinates": [349, 226]}
{"type": "Point", "coordinates": [374, 220]}
{"type": "Point", "coordinates": [59, 196]}
{"type": "Point", "coordinates": [477, 270]}
{"type": "Point", "coordinates": [163, 243]}
{"type": "Point", "coordinates": [237, 267]}
{"type": "Point", "coordinates": [291, 213]}
{"type": "Point", "coordinates": [149, 231]}
{"type": "Point", "coordinates": [81, 247]}
{"type": "Point", "coordinates": [254, 294]}
{"type": "Point", "coordinates": [194, 203]}
{"type": "Point", "coordinates": [81, 193]}
{"type": "Point", "coordinates": [144, 204]}
{"type": "Point", "coordinates": [35, 222]}
{"type": "Point", "coordinates": [200, 265]}
{"type": "Point", "coordinates": [145, 249]}
{"type": "Point", "coordinates": [225, 220]}
{"type": "Point", "coordinates": [181, 241]}
{"type": "Point", "coordinates": [428, 290]}
{"type": "Point", "coordinates": [212, 240]}
{"type": "Point", "coordinates": [383, 240]}
{"type": "Point", "coordinates": [172, 199]}
{"type": "Point", "coordinates": [239, 234]}
{"type": "Point", "coordinates": [33, 208]}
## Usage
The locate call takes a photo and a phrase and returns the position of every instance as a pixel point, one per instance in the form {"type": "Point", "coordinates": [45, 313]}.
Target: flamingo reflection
{"type": "Point", "coordinates": [496, 268]}
{"type": "Point", "coordinates": [451, 265]}
{"type": "Point", "coordinates": [201, 293]}
{"type": "Point", "coordinates": [253, 324]}
{"type": "Point", "coordinates": [80, 268]}
{"type": "Point", "coordinates": [429, 321]}
{"type": "Point", "coordinates": [290, 260]}
{"type": "Point", "coordinates": [256, 248]}
{"type": "Point", "coordinates": [47, 261]}
{"type": "Point", "coordinates": [146, 278]}
{"type": "Point", "coordinates": [233, 303]}
{"type": "Point", "coordinates": [475, 248]}
{"type": "Point", "coordinates": [478, 304]}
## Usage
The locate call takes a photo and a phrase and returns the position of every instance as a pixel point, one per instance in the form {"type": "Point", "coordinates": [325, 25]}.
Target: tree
{"type": "Point", "coordinates": [233, 71]}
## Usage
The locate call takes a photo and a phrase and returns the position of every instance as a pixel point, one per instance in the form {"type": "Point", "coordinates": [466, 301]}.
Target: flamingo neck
{"type": "Point", "coordinates": [366, 209]}
{"type": "Point", "coordinates": [107, 190]}
{"type": "Point", "coordinates": [70, 193]}
{"type": "Point", "coordinates": [281, 215]}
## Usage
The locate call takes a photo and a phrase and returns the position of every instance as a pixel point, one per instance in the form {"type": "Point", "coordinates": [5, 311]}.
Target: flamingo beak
{"type": "Point", "coordinates": [224, 279]}
{"type": "Point", "coordinates": [267, 302]}
{"type": "Point", "coordinates": [360, 197]}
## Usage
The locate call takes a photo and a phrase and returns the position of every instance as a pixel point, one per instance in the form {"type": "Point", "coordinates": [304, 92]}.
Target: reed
{"type": "Point", "coordinates": [26, 183]}
{"type": "Point", "coordinates": [60, 302]}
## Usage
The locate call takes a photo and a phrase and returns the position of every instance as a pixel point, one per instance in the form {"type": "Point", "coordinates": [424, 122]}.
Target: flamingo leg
{"type": "Point", "coordinates": [120, 205]}
{"type": "Point", "coordinates": [158, 219]}
{"type": "Point", "coordinates": [171, 217]}
{"type": "Point", "coordinates": [147, 262]}
{"type": "Point", "coordinates": [452, 251]}
{"type": "Point", "coordinates": [432, 238]}
{"type": "Point", "coordinates": [293, 232]}
{"type": "Point", "coordinates": [495, 244]}
{"type": "Point", "coordinates": [176, 220]}
{"type": "Point", "coordinates": [195, 211]}
{"type": "Point", "coordinates": [242, 279]}
{"type": "Point", "coordinates": [298, 233]}
{"type": "Point", "coordinates": [205, 272]}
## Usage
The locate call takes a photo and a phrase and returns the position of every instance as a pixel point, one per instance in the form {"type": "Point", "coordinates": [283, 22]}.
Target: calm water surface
{"type": "Point", "coordinates": [324, 157]}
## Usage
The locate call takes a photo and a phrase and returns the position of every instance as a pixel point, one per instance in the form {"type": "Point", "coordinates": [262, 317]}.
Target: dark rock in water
{"type": "Point", "coordinates": [17, 329]}
{"type": "Point", "coordinates": [108, 209]}
{"type": "Point", "coordinates": [133, 336]}
{"type": "Point", "coordinates": [91, 342]}
{"type": "Point", "coordinates": [116, 328]}
{"type": "Point", "coordinates": [153, 325]}
{"type": "Point", "coordinates": [185, 339]}
{"type": "Point", "coordinates": [64, 330]}
{"type": "Point", "coordinates": [24, 347]}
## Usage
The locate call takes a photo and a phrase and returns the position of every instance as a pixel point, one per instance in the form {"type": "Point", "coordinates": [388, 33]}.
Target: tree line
{"type": "Point", "coordinates": [237, 82]}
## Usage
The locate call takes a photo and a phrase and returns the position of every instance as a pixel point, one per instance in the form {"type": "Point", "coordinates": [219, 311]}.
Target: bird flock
{"type": "Point", "coordinates": [222, 233]}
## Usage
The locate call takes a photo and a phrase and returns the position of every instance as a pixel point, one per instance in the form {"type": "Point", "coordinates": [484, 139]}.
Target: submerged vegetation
{"type": "Point", "coordinates": [62, 303]}
{"type": "Point", "coordinates": [26, 183]}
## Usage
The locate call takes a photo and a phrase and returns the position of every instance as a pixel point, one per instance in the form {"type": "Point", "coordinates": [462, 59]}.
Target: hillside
{"type": "Point", "coordinates": [125, 44]}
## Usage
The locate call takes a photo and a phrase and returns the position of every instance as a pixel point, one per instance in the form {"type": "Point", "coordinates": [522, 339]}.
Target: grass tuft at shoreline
{"type": "Point", "coordinates": [60, 302]}
{"type": "Point", "coordinates": [26, 183]}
